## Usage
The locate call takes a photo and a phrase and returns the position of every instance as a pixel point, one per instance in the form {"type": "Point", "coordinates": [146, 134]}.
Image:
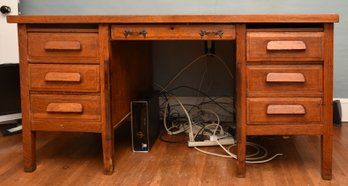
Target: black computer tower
{"type": "Point", "coordinates": [10, 101]}
{"type": "Point", "coordinates": [337, 113]}
{"type": "Point", "coordinates": [144, 123]}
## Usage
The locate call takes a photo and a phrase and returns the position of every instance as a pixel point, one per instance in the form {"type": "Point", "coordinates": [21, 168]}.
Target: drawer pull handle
{"type": "Point", "coordinates": [62, 45]}
{"type": "Point", "coordinates": [286, 109]}
{"type": "Point", "coordinates": [64, 108]}
{"type": "Point", "coordinates": [219, 33]}
{"type": "Point", "coordinates": [63, 76]}
{"type": "Point", "coordinates": [286, 45]}
{"type": "Point", "coordinates": [126, 33]}
{"type": "Point", "coordinates": [285, 78]}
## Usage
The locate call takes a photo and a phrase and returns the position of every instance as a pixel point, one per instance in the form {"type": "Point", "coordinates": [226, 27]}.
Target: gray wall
{"type": "Point", "coordinates": [209, 7]}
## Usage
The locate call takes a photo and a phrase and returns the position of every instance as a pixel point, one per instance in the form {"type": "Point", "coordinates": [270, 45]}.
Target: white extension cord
{"type": "Point", "coordinates": [251, 158]}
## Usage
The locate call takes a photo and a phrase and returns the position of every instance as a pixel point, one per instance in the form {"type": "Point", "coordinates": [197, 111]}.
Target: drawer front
{"type": "Point", "coordinates": [68, 78]}
{"type": "Point", "coordinates": [285, 46]}
{"type": "Point", "coordinates": [72, 108]}
{"type": "Point", "coordinates": [173, 32]}
{"type": "Point", "coordinates": [284, 111]}
{"type": "Point", "coordinates": [285, 79]}
{"type": "Point", "coordinates": [63, 47]}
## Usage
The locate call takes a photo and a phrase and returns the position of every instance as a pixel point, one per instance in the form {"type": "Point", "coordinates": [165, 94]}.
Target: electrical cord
{"type": "Point", "coordinates": [220, 102]}
{"type": "Point", "coordinates": [205, 127]}
{"type": "Point", "coordinates": [200, 110]}
{"type": "Point", "coordinates": [251, 159]}
{"type": "Point", "coordinates": [169, 131]}
{"type": "Point", "coordinates": [194, 61]}
{"type": "Point", "coordinates": [188, 118]}
{"type": "Point", "coordinates": [211, 153]}
{"type": "Point", "coordinates": [211, 99]}
{"type": "Point", "coordinates": [192, 138]}
{"type": "Point", "coordinates": [170, 141]}
{"type": "Point", "coordinates": [224, 64]}
{"type": "Point", "coordinates": [218, 120]}
{"type": "Point", "coordinates": [202, 79]}
{"type": "Point", "coordinates": [184, 69]}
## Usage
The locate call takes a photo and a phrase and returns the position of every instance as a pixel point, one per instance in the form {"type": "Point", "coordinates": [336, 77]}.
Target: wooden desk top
{"type": "Point", "coordinates": [254, 18]}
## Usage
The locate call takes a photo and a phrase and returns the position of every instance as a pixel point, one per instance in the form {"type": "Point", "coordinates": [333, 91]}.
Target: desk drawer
{"type": "Point", "coordinates": [284, 111]}
{"type": "Point", "coordinates": [173, 32]}
{"type": "Point", "coordinates": [63, 47]}
{"type": "Point", "coordinates": [73, 108]}
{"type": "Point", "coordinates": [285, 79]}
{"type": "Point", "coordinates": [68, 78]}
{"type": "Point", "coordinates": [285, 46]}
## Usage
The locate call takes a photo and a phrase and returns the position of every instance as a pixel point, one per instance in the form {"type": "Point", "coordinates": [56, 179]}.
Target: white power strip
{"type": "Point", "coordinates": [224, 141]}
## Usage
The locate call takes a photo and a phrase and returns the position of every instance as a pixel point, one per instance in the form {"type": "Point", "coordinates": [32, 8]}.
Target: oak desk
{"type": "Point", "coordinates": [78, 73]}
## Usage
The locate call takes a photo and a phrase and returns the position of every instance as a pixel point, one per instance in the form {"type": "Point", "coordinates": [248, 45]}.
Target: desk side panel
{"type": "Point", "coordinates": [326, 138]}
{"type": "Point", "coordinates": [131, 75]}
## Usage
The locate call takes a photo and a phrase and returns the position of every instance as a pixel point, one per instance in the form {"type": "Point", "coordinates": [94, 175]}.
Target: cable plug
{"type": "Point", "coordinates": [199, 137]}
{"type": "Point", "coordinates": [213, 138]}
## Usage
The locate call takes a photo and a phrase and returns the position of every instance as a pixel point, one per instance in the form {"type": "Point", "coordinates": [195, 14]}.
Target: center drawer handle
{"type": "Point", "coordinates": [126, 33]}
{"type": "Point", "coordinates": [219, 33]}
{"type": "Point", "coordinates": [63, 76]}
{"type": "Point", "coordinates": [64, 108]}
{"type": "Point", "coordinates": [286, 109]}
{"type": "Point", "coordinates": [285, 78]}
{"type": "Point", "coordinates": [62, 45]}
{"type": "Point", "coordinates": [286, 45]}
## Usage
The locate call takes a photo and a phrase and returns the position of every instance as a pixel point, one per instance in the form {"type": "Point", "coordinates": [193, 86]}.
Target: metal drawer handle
{"type": "Point", "coordinates": [286, 45]}
{"type": "Point", "coordinates": [63, 76]}
{"type": "Point", "coordinates": [285, 78]}
{"type": "Point", "coordinates": [286, 109]}
{"type": "Point", "coordinates": [64, 108]}
{"type": "Point", "coordinates": [126, 33]}
{"type": "Point", "coordinates": [219, 33]}
{"type": "Point", "coordinates": [62, 45]}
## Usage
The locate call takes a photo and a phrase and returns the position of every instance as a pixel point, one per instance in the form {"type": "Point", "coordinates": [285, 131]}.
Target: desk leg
{"type": "Point", "coordinates": [108, 151]}
{"type": "Point", "coordinates": [240, 98]}
{"type": "Point", "coordinates": [326, 157]}
{"type": "Point", "coordinates": [241, 150]}
{"type": "Point", "coordinates": [29, 146]}
{"type": "Point", "coordinates": [107, 128]}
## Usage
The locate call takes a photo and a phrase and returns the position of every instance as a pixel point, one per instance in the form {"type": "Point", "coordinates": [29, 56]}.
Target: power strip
{"type": "Point", "coordinates": [224, 141]}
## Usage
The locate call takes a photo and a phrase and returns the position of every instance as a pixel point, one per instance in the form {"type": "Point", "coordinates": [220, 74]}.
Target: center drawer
{"type": "Point", "coordinates": [68, 78]}
{"type": "Point", "coordinates": [271, 80]}
{"type": "Point", "coordinates": [173, 32]}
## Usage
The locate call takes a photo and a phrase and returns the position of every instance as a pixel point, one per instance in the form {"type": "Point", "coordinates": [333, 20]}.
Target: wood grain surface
{"type": "Point", "coordinates": [74, 159]}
